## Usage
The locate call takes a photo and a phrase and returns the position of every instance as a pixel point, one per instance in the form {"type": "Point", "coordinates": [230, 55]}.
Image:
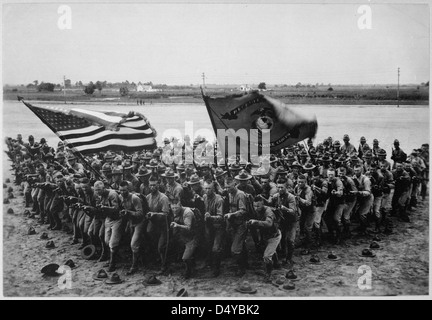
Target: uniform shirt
{"type": "Point", "coordinates": [398, 156]}
{"type": "Point", "coordinates": [266, 223]}
{"type": "Point", "coordinates": [175, 190]}
{"type": "Point", "coordinates": [214, 206]}
{"type": "Point", "coordinates": [134, 183]}
{"type": "Point", "coordinates": [158, 204]}
{"type": "Point", "coordinates": [78, 167]}
{"type": "Point", "coordinates": [110, 199]}
{"type": "Point", "coordinates": [388, 180]}
{"type": "Point", "coordinates": [348, 149]}
{"type": "Point", "coordinates": [402, 181]}
{"type": "Point", "coordinates": [237, 204]}
{"type": "Point", "coordinates": [269, 190]}
{"type": "Point", "coordinates": [349, 186]}
{"type": "Point", "coordinates": [305, 194]}
{"type": "Point", "coordinates": [248, 188]}
{"type": "Point", "coordinates": [133, 203]}
{"type": "Point", "coordinates": [187, 227]}
{"type": "Point", "coordinates": [337, 185]}
{"type": "Point", "coordinates": [321, 195]}
{"type": "Point", "coordinates": [363, 185]}
{"type": "Point", "coordinates": [287, 200]}
{"type": "Point", "coordinates": [417, 162]}
{"type": "Point", "coordinates": [144, 189]}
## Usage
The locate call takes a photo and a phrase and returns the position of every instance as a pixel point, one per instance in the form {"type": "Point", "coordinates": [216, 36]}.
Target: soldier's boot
{"type": "Point", "coordinates": [134, 267]}
{"type": "Point", "coordinates": [28, 199]}
{"type": "Point", "coordinates": [269, 269]}
{"type": "Point", "coordinates": [338, 239]}
{"type": "Point", "coordinates": [189, 268]}
{"type": "Point", "coordinates": [57, 221]}
{"type": "Point", "coordinates": [241, 271]}
{"type": "Point", "coordinates": [217, 257]}
{"type": "Point", "coordinates": [378, 224]}
{"type": "Point", "coordinates": [289, 256]}
{"type": "Point", "coordinates": [113, 259]}
{"type": "Point", "coordinates": [208, 260]}
{"type": "Point", "coordinates": [413, 202]}
{"type": "Point", "coordinates": [276, 264]}
{"type": "Point", "coordinates": [245, 256]}
{"type": "Point", "coordinates": [346, 232]}
{"type": "Point", "coordinates": [104, 254]}
{"type": "Point", "coordinates": [403, 214]}
{"type": "Point", "coordinates": [318, 237]}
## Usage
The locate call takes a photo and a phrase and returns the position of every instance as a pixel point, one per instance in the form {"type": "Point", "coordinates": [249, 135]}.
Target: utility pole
{"type": "Point", "coordinates": [203, 77]}
{"type": "Point", "coordinates": [398, 86]}
{"type": "Point", "coordinates": [64, 88]}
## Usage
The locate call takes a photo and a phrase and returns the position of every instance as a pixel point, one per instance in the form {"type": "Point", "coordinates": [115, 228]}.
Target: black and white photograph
{"type": "Point", "coordinates": [213, 150]}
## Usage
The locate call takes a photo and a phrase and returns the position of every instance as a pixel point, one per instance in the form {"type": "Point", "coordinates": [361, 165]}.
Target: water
{"type": "Point", "coordinates": [409, 124]}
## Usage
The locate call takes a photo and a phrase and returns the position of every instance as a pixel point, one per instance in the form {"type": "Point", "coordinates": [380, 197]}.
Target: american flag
{"type": "Point", "coordinates": [88, 131]}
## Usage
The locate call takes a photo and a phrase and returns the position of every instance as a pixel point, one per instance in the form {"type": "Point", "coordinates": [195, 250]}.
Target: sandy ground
{"type": "Point", "coordinates": [400, 268]}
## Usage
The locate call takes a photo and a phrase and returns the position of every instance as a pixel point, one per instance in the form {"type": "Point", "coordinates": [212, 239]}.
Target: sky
{"type": "Point", "coordinates": [174, 43]}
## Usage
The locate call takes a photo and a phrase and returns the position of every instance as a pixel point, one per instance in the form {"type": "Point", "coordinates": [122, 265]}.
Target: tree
{"type": "Point", "coordinates": [427, 84]}
{"type": "Point", "coordinates": [124, 91]}
{"type": "Point", "coordinates": [90, 88]}
{"type": "Point", "coordinates": [68, 83]}
{"type": "Point", "coordinates": [298, 85]}
{"type": "Point", "coordinates": [262, 86]}
{"type": "Point", "coordinates": [46, 86]}
{"type": "Point", "coordinates": [330, 89]}
{"type": "Point", "coordinates": [98, 86]}
{"type": "Point", "coordinates": [36, 82]}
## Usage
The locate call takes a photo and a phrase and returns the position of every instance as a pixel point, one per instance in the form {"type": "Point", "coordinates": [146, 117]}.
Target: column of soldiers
{"type": "Point", "coordinates": [208, 209]}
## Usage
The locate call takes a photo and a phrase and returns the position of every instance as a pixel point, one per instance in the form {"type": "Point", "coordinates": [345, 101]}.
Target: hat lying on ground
{"type": "Point", "coordinates": [374, 245]}
{"type": "Point", "coordinates": [152, 281]}
{"type": "Point", "coordinates": [245, 287]}
{"type": "Point", "coordinates": [315, 260]}
{"type": "Point", "coordinates": [288, 286]}
{"type": "Point", "coordinates": [291, 275]}
{"type": "Point", "coordinates": [100, 275]}
{"type": "Point", "coordinates": [332, 256]}
{"type": "Point", "coordinates": [50, 245]}
{"type": "Point", "coordinates": [88, 252]}
{"type": "Point", "coordinates": [44, 236]}
{"type": "Point", "coordinates": [10, 210]}
{"type": "Point", "coordinates": [279, 281]}
{"type": "Point", "coordinates": [367, 253]}
{"type": "Point", "coordinates": [50, 269]}
{"type": "Point", "coordinates": [114, 279]}
{"type": "Point", "coordinates": [31, 231]}
{"type": "Point", "coordinates": [70, 264]}
{"type": "Point", "coordinates": [182, 293]}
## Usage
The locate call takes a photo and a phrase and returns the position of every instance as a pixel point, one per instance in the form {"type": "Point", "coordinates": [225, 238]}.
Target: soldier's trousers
{"type": "Point", "coordinates": [97, 230]}
{"type": "Point", "coordinates": [214, 238]}
{"type": "Point", "coordinates": [288, 236]}
{"type": "Point", "coordinates": [114, 231]}
{"type": "Point", "coordinates": [376, 207]}
{"type": "Point", "coordinates": [365, 204]}
{"type": "Point", "coordinates": [307, 219]}
{"type": "Point", "coordinates": [346, 214]}
{"type": "Point", "coordinates": [138, 232]}
{"type": "Point", "coordinates": [271, 247]}
{"type": "Point", "coordinates": [318, 217]}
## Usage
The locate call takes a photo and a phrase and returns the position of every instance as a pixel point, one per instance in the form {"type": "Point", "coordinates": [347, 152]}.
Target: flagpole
{"type": "Point", "coordinates": [214, 129]}
{"type": "Point", "coordinates": [75, 152]}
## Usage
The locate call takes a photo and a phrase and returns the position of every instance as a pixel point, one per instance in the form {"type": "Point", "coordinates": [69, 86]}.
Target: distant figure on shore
{"type": "Point", "coordinates": [137, 102]}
